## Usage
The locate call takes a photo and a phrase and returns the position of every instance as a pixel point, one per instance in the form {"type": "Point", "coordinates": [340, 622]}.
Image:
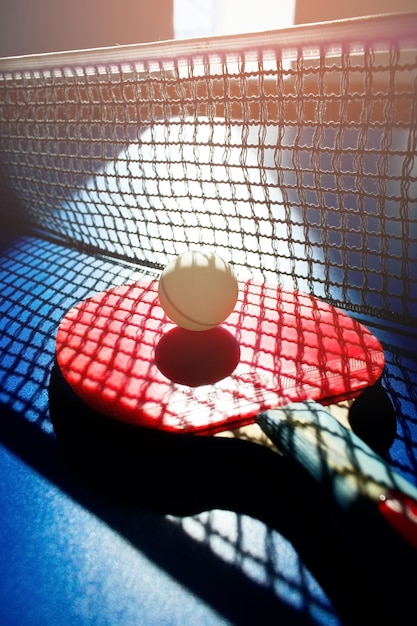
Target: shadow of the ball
{"type": "Point", "coordinates": [197, 358]}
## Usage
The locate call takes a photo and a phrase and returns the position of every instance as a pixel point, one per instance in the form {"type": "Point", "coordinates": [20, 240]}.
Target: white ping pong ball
{"type": "Point", "coordinates": [198, 290]}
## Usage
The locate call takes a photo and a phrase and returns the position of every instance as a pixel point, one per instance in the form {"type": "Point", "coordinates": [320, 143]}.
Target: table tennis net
{"type": "Point", "coordinates": [290, 153]}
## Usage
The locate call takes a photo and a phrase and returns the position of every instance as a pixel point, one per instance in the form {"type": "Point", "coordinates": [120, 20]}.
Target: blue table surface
{"type": "Point", "coordinates": [68, 554]}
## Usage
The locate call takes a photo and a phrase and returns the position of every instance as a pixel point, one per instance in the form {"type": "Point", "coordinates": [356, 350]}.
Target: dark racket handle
{"type": "Point", "coordinates": [346, 467]}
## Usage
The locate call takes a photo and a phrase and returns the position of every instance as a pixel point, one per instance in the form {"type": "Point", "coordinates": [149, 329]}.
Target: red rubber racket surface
{"type": "Point", "coordinates": [122, 356]}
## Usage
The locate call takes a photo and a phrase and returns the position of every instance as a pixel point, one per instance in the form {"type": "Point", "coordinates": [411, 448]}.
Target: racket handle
{"type": "Point", "coordinates": [342, 463]}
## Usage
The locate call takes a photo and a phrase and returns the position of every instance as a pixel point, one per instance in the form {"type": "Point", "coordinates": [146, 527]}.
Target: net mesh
{"type": "Point", "coordinates": [291, 153]}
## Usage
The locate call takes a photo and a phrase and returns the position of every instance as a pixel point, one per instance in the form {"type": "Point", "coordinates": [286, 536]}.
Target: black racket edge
{"type": "Point", "coordinates": [70, 416]}
{"type": "Point", "coordinates": [373, 419]}
{"type": "Point", "coordinates": [93, 440]}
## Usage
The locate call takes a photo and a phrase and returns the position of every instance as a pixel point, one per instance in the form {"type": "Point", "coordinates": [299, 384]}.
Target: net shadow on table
{"type": "Point", "coordinates": [40, 281]}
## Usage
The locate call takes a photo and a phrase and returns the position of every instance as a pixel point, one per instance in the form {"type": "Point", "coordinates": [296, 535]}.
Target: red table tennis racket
{"type": "Point", "coordinates": [124, 358]}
